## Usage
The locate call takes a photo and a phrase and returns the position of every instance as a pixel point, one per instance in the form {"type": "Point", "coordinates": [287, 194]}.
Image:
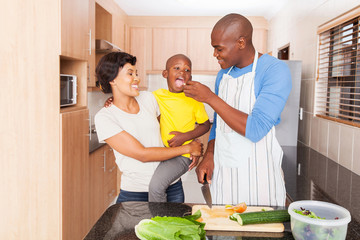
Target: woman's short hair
{"type": "Point", "coordinates": [109, 66]}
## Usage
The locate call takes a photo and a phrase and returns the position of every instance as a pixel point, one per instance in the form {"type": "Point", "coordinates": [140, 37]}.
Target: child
{"type": "Point", "coordinates": [178, 117]}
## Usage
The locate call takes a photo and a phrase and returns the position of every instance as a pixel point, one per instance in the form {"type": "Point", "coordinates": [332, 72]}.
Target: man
{"type": "Point", "coordinates": [243, 158]}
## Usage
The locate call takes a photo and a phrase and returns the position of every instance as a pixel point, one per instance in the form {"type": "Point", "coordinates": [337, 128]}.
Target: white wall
{"type": "Point", "coordinates": [297, 25]}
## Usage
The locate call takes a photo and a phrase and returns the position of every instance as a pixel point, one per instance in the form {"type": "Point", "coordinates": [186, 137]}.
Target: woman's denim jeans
{"type": "Point", "coordinates": [175, 193]}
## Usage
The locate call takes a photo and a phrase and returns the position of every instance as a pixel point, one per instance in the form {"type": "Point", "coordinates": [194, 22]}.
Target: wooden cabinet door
{"type": "Point", "coordinates": [138, 37]}
{"type": "Point", "coordinates": [103, 178]}
{"type": "Point", "coordinates": [110, 177]}
{"type": "Point", "coordinates": [260, 40]}
{"type": "Point", "coordinates": [91, 56]}
{"type": "Point", "coordinates": [75, 174]}
{"type": "Point", "coordinates": [167, 42]}
{"type": "Point", "coordinates": [97, 161]}
{"type": "Point", "coordinates": [75, 29]}
{"type": "Point", "coordinates": [200, 50]}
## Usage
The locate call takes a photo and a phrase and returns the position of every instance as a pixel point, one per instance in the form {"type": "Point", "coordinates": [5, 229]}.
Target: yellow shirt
{"type": "Point", "coordinates": [178, 113]}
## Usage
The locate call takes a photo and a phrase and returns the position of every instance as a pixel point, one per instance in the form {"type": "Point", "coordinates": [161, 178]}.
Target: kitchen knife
{"type": "Point", "coordinates": [205, 189]}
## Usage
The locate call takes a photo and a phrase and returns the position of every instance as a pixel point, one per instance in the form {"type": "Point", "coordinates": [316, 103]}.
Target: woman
{"type": "Point", "coordinates": [130, 126]}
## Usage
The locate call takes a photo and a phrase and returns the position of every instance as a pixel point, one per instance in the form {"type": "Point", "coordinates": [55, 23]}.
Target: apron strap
{"type": "Point", "coordinates": [254, 64]}
{"type": "Point", "coordinates": [229, 70]}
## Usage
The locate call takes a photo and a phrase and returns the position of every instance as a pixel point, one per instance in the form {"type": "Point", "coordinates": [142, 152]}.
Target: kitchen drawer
{"type": "Point", "coordinates": [110, 191]}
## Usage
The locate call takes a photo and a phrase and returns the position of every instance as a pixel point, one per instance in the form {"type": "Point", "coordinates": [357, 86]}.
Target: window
{"type": "Point", "coordinates": [338, 78]}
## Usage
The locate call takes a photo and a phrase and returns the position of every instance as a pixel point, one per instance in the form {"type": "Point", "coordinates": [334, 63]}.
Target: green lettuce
{"type": "Point", "coordinates": [307, 213]}
{"type": "Point", "coordinates": [168, 228]}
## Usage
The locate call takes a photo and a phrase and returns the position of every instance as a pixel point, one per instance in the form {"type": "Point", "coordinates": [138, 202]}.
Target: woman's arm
{"type": "Point", "coordinates": [127, 145]}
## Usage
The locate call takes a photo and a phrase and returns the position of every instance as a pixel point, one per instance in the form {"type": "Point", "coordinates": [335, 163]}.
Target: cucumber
{"type": "Point", "coordinates": [272, 216]}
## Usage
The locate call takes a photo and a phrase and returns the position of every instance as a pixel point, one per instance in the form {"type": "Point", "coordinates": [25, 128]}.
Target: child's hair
{"type": "Point", "coordinates": [108, 68]}
{"type": "Point", "coordinates": [168, 62]}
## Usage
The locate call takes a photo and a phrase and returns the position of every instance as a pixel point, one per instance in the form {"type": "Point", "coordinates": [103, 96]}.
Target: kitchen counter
{"type": "Point", "coordinates": [119, 220]}
{"type": "Point", "coordinates": [308, 175]}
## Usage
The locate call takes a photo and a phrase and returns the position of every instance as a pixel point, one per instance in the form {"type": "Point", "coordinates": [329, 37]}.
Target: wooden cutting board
{"type": "Point", "coordinates": [217, 219]}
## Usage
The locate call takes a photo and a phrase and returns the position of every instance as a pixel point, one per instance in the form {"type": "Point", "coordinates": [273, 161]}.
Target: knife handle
{"type": "Point", "coordinates": [205, 180]}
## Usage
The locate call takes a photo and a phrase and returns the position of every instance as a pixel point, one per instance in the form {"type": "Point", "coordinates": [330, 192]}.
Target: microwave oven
{"type": "Point", "coordinates": [68, 91]}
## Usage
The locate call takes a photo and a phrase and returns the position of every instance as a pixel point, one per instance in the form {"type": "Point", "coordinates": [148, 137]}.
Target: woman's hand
{"type": "Point", "coordinates": [194, 163]}
{"type": "Point", "coordinates": [108, 102]}
{"type": "Point", "coordinates": [196, 148]}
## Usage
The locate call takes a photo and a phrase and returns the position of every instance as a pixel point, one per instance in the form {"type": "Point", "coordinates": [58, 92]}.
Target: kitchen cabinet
{"type": "Point", "coordinates": [75, 173]}
{"type": "Point", "coordinates": [75, 34]}
{"type": "Point", "coordinates": [138, 39]}
{"type": "Point", "coordinates": [154, 39]}
{"type": "Point", "coordinates": [167, 42]}
{"type": "Point", "coordinates": [106, 22]}
{"type": "Point", "coordinates": [200, 50]}
{"type": "Point", "coordinates": [103, 181]}
{"type": "Point", "coordinates": [91, 57]}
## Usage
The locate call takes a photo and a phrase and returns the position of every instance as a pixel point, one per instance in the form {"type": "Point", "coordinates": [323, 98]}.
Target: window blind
{"type": "Point", "coordinates": [338, 78]}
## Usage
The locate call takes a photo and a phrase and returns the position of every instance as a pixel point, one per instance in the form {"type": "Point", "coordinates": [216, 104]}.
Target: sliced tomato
{"type": "Point", "coordinates": [241, 207]}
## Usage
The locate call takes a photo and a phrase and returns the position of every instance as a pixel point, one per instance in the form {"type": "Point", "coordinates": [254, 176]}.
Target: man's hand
{"type": "Point", "coordinates": [108, 102]}
{"type": "Point", "coordinates": [178, 139]}
{"type": "Point", "coordinates": [198, 91]}
{"type": "Point", "coordinates": [206, 166]}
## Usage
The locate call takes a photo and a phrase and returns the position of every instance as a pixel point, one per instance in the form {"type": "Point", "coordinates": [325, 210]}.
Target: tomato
{"type": "Point", "coordinates": [241, 207]}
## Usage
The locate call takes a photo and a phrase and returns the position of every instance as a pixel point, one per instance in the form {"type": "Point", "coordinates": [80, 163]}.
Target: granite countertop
{"type": "Point", "coordinates": [119, 220]}
{"type": "Point", "coordinates": [308, 175]}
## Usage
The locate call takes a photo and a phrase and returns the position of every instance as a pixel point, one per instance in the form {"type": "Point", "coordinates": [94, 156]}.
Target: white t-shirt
{"type": "Point", "coordinates": [145, 127]}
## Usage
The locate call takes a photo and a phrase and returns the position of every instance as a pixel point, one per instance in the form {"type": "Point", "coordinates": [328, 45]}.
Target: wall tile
{"type": "Point", "coordinates": [309, 95]}
{"type": "Point", "coordinates": [334, 141]}
{"type": "Point", "coordinates": [314, 134]}
{"type": "Point", "coordinates": [307, 127]}
{"type": "Point", "coordinates": [356, 154]}
{"type": "Point", "coordinates": [302, 93]}
{"type": "Point", "coordinates": [323, 136]}
{"type": "Point", "coordinates": [346, 146]}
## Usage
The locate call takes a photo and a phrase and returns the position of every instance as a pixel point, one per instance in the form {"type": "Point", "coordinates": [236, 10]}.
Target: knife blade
{"type": "Point", "coordinates": [205, 189]}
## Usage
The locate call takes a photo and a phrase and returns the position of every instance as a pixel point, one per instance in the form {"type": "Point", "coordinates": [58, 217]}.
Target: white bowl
{"type": "Point", "coordinates": [306, 228]}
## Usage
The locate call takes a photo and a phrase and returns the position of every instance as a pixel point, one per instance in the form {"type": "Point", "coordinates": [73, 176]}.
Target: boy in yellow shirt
{"type": "Point", "coordinates": [178, 118]}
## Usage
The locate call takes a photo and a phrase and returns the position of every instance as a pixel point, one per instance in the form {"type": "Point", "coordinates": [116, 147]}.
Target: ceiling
{"type": "Point", "coordinates": [265, 8]}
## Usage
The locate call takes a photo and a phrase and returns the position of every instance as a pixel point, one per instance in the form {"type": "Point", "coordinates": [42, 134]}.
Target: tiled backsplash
{"type": "Point", "coordinates": [96, 101]}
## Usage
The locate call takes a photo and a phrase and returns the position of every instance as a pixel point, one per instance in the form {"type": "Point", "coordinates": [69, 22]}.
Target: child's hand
{"type": "Point", "coordinates": [195, 161]}
{"type": "Point", "coordinates": [178, 139]}
{"type": "Point", "coordinates": [108, 102]}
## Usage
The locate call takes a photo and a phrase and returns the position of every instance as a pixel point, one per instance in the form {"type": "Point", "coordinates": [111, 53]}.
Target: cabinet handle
{"type": "Point", "coordinates": [89, 127]}
{"type": "Point", "coordinates": [112, 169]}
{"type": "Point", "coordinates": [90, 41]}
